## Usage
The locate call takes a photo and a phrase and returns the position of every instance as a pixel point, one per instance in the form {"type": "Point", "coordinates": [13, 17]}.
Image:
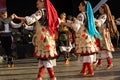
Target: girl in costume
{"type": "Point", "coordinates": [85, 31]}
{"type": "Point", "coordinates": [107, 29]}
{"type": "Point", "coordinates": [46, 19]}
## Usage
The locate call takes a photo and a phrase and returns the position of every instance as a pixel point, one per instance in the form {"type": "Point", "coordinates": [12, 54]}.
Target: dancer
{"type": "Point", "coordinates": [64, 38]}
{"type": "Point", "coordinates": [85, 31]}
{"type": "Point", "coordinates": [6, 25]}
{"type": "Point", "coordinates": [106, 27]}
{"type": "Point", "coordinates": [46, 19]}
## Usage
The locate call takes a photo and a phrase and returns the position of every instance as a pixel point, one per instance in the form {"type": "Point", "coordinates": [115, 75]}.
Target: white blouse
{"type": "Point", "coordinates": [34, 17]}
{"type": "Point", "coordinates": [79, 21]}
{"type": "Point", "coordinates": [101, 20]}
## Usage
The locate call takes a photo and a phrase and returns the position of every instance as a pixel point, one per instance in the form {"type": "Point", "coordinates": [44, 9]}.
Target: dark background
{"type": "Point", "coordinates": [27, 7]}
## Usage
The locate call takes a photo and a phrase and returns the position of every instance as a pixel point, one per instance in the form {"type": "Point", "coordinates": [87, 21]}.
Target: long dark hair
{"type": "Point", "coordinates": [110, 21]}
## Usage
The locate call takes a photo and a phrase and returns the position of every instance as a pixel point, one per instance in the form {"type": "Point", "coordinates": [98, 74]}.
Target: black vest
{"type": "Point", "coordinates": [43, 19]}
{"type": "Point", "coordinates": [2, 27]}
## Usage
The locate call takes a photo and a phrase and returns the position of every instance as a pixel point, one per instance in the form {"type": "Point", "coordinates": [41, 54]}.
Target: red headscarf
{"type": "Point", "coordinates": [52, 17]}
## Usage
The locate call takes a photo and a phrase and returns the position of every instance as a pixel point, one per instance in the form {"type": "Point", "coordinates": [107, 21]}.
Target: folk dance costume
{"type": "Point", "coordinates": [45, 48]}
{"type": "Point", "coordinates": [6, 25]}
{"type": "Point", "coordinates": [64, 41]}
{"type": "Point", "coordinates": [7, 38]}
{"type": "Point", "coordinates": [106, 46]}
{"type": "Point", "coordinates": [85, 42]}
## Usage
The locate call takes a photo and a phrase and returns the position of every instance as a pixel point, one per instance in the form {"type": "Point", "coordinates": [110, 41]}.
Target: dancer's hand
{"type": "Point", "coordinates": [13, 16]}
{"type": "Point", "coordinates": [20, 18]}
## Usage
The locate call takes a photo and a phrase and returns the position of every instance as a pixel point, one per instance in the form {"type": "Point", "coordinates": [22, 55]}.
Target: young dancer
{"type": "Point", "coordinates": [6, 25]}
{"type": "Point", "coordinates": [64, 38]}
{"type": "Point", "coordinates": [107, 29]}
{"type": "Point", "coordinates": [46, 19]}
{"type": "Point", "coordinates": [85, 31]}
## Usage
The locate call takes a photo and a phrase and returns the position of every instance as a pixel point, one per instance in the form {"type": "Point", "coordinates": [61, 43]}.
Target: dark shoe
{"type": "Point", "coordinates": [10, 64]}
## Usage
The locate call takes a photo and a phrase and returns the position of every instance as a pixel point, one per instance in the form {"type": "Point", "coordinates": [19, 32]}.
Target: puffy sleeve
{"type": "Point", "coordinates": [59, 20]}
{"type": "Point", "coordinates": [15, 25]}
{"type": "Point", "coordinates": [34, 17]}
{"type": "Point", "coordinates": [117, 22]}
{"type": "Point", "coordinates": [79, 22]}
{"type": "Point", "coordinates": [101, 20]}
{"type": "Point", "coordinates": [29, 27]}
{"type": "Point", "coordinates": [81, 17]}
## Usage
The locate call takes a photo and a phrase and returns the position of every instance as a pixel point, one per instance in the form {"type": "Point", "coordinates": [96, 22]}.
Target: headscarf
{"type": "Point", "coordinates": [52, 17]}
{"type": "Point", "coordinates": [91, 28]}
{"type": "Point", "coordinates": [110, 21]}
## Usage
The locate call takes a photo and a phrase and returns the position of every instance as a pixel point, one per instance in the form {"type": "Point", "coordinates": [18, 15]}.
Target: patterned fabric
{"type": "Point", "coordinates": [85, 45]}
{"type": "Point", "coordinates": [63, 35]}
{"type": "Point", "coordinates": [105, 43]}
{"type": "Point", "coordinates": [64, 38]}
{"type": "Point", "coordinates": [63, 28]}
{"type": "Point", "coordinates": [46, 48]}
